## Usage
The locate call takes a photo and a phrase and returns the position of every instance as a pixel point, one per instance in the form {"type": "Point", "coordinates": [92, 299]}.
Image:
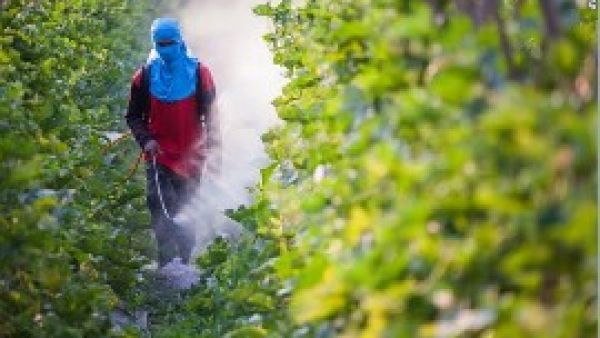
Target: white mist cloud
{"type": "Point", "coordinates": [227, 37]}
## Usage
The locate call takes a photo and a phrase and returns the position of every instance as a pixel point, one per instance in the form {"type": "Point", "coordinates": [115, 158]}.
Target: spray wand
{"type": "Point", "coordinates": [160, 197]}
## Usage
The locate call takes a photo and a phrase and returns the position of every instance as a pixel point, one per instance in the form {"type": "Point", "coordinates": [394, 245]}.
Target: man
{"type": "Point", "coordinates": [171, 117]}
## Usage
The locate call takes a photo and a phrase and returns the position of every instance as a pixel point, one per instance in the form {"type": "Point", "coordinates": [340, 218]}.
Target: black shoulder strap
{"type": "Point", "coordinates": [145, 81]}
{"type": "Point", "coordinates": [145, 78]}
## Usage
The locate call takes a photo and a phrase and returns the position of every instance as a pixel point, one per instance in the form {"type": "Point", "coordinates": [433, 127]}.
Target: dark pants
{"type": "Point", "coordinates": [173, 239]}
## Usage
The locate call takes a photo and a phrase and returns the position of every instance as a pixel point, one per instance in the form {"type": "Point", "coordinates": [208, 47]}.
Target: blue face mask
{"type": "Point", "coordinates": [171, 53]}
{"type": "Point", "coordinates": [172, 68]}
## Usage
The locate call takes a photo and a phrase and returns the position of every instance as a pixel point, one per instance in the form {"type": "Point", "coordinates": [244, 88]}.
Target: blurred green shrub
{"type": "Point", "coordinates": [71, 235]}
{"type": "Point", "coordinates": [436, 172]}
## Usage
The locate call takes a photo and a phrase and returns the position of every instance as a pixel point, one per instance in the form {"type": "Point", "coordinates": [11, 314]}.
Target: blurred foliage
{"type": "Point", "coordinates": [73, 232]}
{"type": "Point", "coordinates": [435, 176]}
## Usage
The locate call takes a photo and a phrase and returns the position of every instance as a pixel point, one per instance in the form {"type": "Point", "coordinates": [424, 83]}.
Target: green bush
{"type": "Point", "coordinates": [72, 233]}
{"type": "Point", "coordinates": [436, 171]}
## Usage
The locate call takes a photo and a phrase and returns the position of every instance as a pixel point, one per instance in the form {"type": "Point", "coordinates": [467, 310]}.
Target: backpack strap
{"type": "Point", "coordinates": [145, 81]}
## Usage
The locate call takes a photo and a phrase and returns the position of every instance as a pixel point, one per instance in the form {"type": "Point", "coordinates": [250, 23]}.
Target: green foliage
{"type": "Point", "coordinates": [435, 176]}
{"type": "Point", "coordinates": [238, 295]}
{"type": "Point", "coordinates": [72, 234]}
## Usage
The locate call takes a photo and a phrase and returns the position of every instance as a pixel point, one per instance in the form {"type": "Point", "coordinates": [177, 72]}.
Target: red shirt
{"type": "Point", "coordinates": [176, 126]}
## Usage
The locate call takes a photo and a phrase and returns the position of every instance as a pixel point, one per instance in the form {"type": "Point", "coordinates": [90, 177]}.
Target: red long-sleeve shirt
{"type": "Point", "coordinates": [176, 126]}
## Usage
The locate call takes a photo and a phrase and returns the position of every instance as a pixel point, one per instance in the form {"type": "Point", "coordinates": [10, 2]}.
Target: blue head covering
{"type": "Point", "coordinates": [172, 68]}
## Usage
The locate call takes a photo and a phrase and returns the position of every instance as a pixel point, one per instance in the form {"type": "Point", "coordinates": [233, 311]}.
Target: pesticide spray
{"type": "Point", "coordinates": [227, 37]}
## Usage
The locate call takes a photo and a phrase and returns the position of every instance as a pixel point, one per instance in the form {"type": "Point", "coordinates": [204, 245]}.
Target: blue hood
{"type": "Point", "coordinates": [173, 68]}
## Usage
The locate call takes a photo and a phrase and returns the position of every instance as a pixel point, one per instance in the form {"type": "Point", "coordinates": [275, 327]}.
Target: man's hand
{"type": "Point", "coordinates": [152, 148]}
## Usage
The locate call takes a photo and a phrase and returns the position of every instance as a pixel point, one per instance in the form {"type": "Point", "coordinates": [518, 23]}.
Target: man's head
{"type": "Point", "coordinates": [167, 39]}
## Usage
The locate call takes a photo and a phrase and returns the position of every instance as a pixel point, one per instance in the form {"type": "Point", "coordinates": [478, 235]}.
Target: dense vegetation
{"type": "Point", "coordinates": [70, 244]}
{"type": "Point", "coordinates": [435, 177]}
